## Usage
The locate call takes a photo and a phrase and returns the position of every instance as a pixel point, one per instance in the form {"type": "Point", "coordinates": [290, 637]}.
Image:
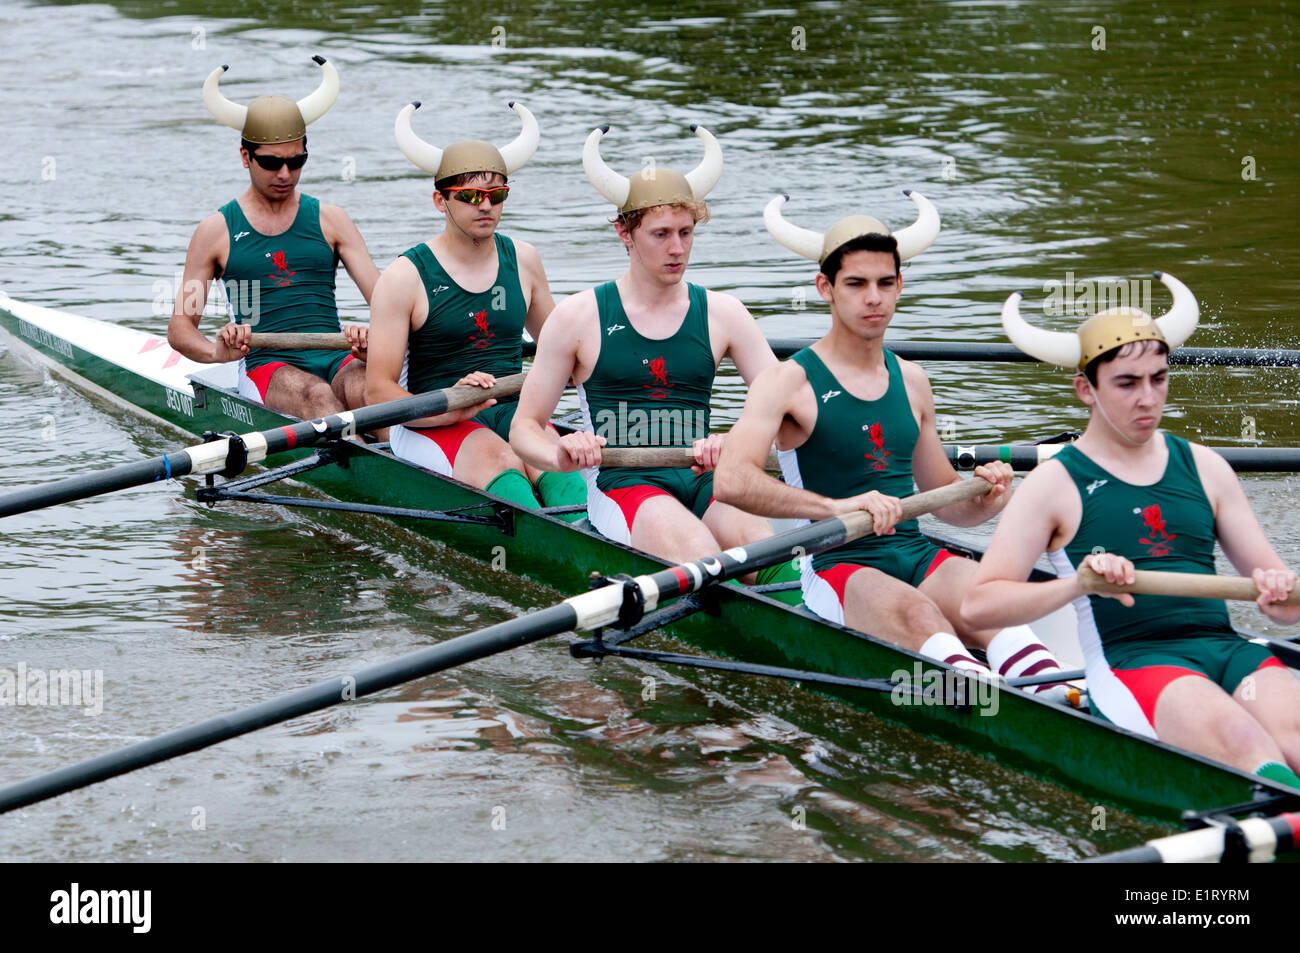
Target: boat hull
{"type": "Point", "coordinates": [1072, 748]}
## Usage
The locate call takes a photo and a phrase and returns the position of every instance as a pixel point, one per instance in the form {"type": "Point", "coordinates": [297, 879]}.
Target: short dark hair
{"type": "Point", "coordinates": [1125, 350]}
{"type": "Point", "coordinates": [251, 147]}
{"type": "Point", "coordinates": [464, 178]}
{"type": "Point", "coordinates": [873, 241]}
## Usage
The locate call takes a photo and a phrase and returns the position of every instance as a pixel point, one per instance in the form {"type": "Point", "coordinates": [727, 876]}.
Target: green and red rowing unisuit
{"type": "Point", "coordinates": [280, 284]}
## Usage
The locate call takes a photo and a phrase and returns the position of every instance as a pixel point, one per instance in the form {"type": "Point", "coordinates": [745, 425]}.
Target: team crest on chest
{"type": "Point", "coordinates": [1158, 542]}
{"type": "Point", "coordinates": [483, 334]}
{"type": "Point", "coordinates": [282, 276]}
{"type": "Point", "coordinates": [659, 372]}
{"type": "Point", "coordinates": [876, 434]}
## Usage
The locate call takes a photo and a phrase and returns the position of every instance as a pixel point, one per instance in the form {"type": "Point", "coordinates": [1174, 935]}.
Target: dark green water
{"type": "Point", "coordinates": [1175, 148]}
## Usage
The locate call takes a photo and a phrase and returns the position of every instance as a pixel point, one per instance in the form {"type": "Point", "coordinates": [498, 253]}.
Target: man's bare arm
{"type": "Point", "coordinates": [394, 297]}
{"type": "Point", "coordinates": [1000, 594]}
{"type": "Point", "coordinates": [540, 301]}
{"type": "Point", "coordinates": [1242, 538]}
{"type": "Point", "coordinates": [746, 345]}
{"type": "Point", "coordinates": [555, 363]}
{"type": "Point", "coordinates": [346, 238]}
{"type": "Point", "coordinates": [932, 469]}
{"type": "Point", "coordinates": [202, 258]}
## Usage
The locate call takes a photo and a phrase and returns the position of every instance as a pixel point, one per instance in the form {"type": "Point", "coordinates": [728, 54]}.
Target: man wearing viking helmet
{"type": "Point", "coordinates": [1126, 495]}
{"type": "Point", "coordinates": [855, 430]}
{"type": "Point", "coordinates": [285, 245]}
{"type": "Point", "coordinates": [643, 351]}
{"type": "Point", "coordinates": [453, 310]}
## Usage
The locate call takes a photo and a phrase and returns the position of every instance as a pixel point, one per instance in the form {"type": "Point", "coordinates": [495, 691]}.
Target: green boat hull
{"type": "Point", "coordinates": [1074, 749]}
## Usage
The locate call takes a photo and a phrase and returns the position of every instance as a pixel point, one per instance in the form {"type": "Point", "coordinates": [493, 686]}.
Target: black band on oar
{"type": "Point", "coordinates": [214, 457]}
{"type": "Point", "coordinates": [588, 610]}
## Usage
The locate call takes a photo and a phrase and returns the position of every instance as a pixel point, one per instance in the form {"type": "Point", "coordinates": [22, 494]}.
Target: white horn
{"type": "Point", "coordinates": [801, 241]}
{"type": "Point", "coordinates": [921, 234]}
{"type": "Point", "coordinates": [517, 154]}
{"type": "Point", "coordinates": [223, 110]}
{"type": "Point", "coordinates": [1054, 347]}
{"type": "Point", "coordinates": [318, 103]}
{"type": "Point", "coordinates": [1181, 319]}
{"type": "Point", "coordinates": [705, 176]}
{"type": "Point", "coordinates": [424, 156]}
{"type": "Point", "coordinates": [607, 182]}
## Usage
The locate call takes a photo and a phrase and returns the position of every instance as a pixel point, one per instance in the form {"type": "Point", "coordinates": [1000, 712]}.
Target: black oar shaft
{"type": "Point", "coordinates": [1009, 353]}
{"type": "Point", "coordinates": [1024, 457]}
{"type": "Point", "coordinates": [436, 658]}
{"type": "Point", "coordinates": [92, 484]}
{"type": "Point", "coordinates": [212, 457]}
{"type": "Point", "coordinates": [798, 542]}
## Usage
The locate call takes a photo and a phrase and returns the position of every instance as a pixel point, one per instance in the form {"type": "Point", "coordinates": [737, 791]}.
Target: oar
{"type": "Point", "coordinates": [624, 602]}
{"type": "Point", "coordinates": [1264, 838]}
{"type": "Point", "coordinates": [301, 341]}
{"type": "Point", "coordinates": [225, 455]}
{"type": "Point", "coordinates": [1022, 457]}
{"type": "Point", "coordinates": [1027, 456]}
{"type": "Point", "coordinates": [1194, 585]}
{"type": "Point", "coordinates": [975, 351]}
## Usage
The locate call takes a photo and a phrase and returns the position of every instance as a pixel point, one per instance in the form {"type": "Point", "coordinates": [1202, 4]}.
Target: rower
{"type": "Point", "coordinates": [1125, 495]}
{"type": "Point", "coordinates": [643, 351]}
{"type": "Point", "coordinates": [276, 250]}
{"type": "Point", "coordinates": [855, 430]}
{"type": "Point", "coordinates": [453, 310]}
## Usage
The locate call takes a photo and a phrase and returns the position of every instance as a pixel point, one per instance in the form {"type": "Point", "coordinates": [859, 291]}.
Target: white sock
{"type": "Point", "coordinates": [946, 647]}
{"type": "Point", "coordinates": [1016, 652]}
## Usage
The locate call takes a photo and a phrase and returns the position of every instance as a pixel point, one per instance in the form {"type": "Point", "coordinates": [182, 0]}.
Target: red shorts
{"type": "Point", "coordinates": [261, 376]}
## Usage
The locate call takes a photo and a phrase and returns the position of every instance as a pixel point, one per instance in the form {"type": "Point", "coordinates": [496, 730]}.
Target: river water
{"type": "Point", "coordinates": [1061, 142]}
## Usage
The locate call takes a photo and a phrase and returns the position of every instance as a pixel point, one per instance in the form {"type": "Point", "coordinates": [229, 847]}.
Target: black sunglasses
{"type": "Point", "coordinates": [274, 163]}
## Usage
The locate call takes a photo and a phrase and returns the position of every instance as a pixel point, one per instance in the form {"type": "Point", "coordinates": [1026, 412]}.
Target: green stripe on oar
{"type": "Point", "coordinates": [216, 457]}
{"type": "Point", "coordinates": [1192, 585]}
{"type": "Point", "coordinates": [588, 610]}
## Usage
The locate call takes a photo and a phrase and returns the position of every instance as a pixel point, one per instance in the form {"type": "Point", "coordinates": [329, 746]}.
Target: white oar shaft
{"type": "Point", "coordinates": [315, 341]}
{"type": "Point", "coordinates": [1189, 584]}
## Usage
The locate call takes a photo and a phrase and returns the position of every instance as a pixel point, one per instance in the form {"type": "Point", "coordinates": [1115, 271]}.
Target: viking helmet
{"type": "Point", "coordinates": [816, 246]}
{"type": "Point", "coordinates": [653, 185]}
{"type": "Point", "coordinates": [467, 155]}
{"type": "Point", "coordinates": [272, 119]}
{"type": "Point", "coordinates": [1105, 330]}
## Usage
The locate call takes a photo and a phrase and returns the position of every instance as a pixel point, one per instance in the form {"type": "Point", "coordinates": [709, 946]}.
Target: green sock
{"type": "Point", "coordinates": [563, 489]}
{"type": "Point", "coordinates": [1276, 771]}
{"type": "Point", "coordinates": [783, 571]}
{"type": "Point", "coordinates": [513, 486]}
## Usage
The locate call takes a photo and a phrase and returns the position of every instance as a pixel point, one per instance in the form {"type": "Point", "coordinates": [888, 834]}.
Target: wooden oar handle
{"type": "Point", "coordinates": [660, 457]}
{"type": "Point", "coordinates": [316, 341]}
{"type": "Point", "coordinates": [467, 395]}
{"type": "Point", "coordinates": [1190, 584]}
{"type": "Point", "coordinates": [860, 522]}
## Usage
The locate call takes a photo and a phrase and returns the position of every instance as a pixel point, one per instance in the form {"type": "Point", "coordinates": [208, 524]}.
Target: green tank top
{"type": "Point", "coordinates": [645, 392]}
{"type": "Point", "coordinates": [280, 283]}
{"type": "Point", "coordinates": [859, 445]}
{"type": "Point", "coordinates": [466, 331]}
{"type": "Point", "coordinates": [1167, 526]}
